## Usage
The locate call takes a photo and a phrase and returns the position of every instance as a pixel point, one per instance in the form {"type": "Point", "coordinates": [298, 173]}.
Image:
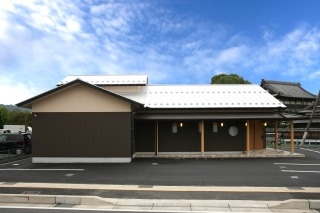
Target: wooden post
{"type": "Point", "coordinates": [276, 135]}
{"type": "Point", "coordinates": [248, 136]}
{"type": "Point", "coordinates": [202, 137]}
{"type": "Point", "coordinates": [310, 121]}
{"type": "Point", "coordinates": [291, 137]}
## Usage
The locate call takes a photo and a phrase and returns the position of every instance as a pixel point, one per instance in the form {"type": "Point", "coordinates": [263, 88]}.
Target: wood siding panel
{"type": "Point", "coordinates": [82, 134]}
{"type": "Point", "coordinates": [256, 134]}
{"type": "Point", "coordinates": [252, 134]}
{"type": "Point", "coordinates": [187, 138]}
{"type": "Point", "coordinates": [222, 140]}
{"type": "Point", "coordinates": [145, 136]}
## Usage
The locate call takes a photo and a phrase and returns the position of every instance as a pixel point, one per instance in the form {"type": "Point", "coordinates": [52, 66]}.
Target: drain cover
{"type": "Point", "coordinates": [145, 186]}
{"type": "Point", "coordinates": [31, 192]}
{"type": "Point", "coordinates": [64, 205]}
{"type": "Point", "coordinates": [295, 188]}
{"type": "Point", "coordinates": [9, 183]}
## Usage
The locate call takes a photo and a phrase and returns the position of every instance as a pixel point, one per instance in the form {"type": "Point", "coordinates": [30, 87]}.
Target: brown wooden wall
{"type": "Point", "coordinates": [256, 134]}
{"type": "Point", "coordinates": [82, 134]}
{"type": "Point", "coordinates": [222, 140]}
{"type": "Point", "coordinates": [187, 138]}
{"type": "Point", "coordinates": [145, 136]}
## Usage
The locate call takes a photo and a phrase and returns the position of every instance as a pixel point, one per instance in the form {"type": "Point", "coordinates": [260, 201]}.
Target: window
{"type": "Point", "coordinates": [174, 127]}
{"type": "Point", "coordinates": [2, 138]}
{"type": "Point", "coordinates": [215, 127]}
{"type": "Point", "coordinates": [233, 130]}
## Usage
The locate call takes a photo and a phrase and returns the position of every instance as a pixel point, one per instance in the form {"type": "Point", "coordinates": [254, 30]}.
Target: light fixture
{"type": "Point", "coordinates": [246, 124]}
{"type": "Point", "coordinates": [221, 124]}
{"type": "Point", "coordinates": [265, 124]}
{"type": "Point", "coordinates": [181, 124]}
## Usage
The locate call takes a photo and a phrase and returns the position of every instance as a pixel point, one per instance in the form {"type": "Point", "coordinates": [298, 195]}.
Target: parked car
{"type": "Point", "coordinates": [16, 143]}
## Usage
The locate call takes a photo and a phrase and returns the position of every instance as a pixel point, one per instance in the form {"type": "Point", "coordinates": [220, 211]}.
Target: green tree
{"type": "Point", "coordinates": [4, 114]}
{"type": "Point", "coordinates": [17, 117]}
{"type": "Point", "coordinates": [228, 79]}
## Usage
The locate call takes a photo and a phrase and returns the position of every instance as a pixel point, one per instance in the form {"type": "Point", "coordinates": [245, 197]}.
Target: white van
{"type": "Point", "coordinates": [4, 131]}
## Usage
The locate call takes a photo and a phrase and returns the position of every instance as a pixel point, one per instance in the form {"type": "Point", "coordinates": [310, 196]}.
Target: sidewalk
{"type": "Point", "coordinates": [158, 205]}
{"type": "Point", "coordinates": [156, 188]}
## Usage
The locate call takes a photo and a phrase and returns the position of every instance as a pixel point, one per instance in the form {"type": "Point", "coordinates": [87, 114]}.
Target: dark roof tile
{"type": "Point", "coordinates": [286, 89]}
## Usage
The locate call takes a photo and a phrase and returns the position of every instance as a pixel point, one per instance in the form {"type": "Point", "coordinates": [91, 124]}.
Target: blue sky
{"type": "Point", "coordinates": [173, 42]}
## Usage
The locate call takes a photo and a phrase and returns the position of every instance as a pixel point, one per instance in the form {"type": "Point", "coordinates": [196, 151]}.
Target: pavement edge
{"type": "Point", "coordinates": [305, 204]}
{"type": "Point", "coordinates": [53, 199]}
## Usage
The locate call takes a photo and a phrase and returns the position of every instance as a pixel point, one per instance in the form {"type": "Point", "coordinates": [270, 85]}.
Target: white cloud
{"type": "Point", "coordinates": [47, 40]}
{"type": "Point", "coordinates": [232, 55]}
{"type": "Point", "coordinates": [13, 92]}
{"type": "Point", "coordinates": [294, 54]}
{"type": "Point", "coordinates": [314, 75]}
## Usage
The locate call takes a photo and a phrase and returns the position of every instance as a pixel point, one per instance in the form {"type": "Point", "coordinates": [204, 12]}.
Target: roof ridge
{"type": "Point", "coordinates": [281, 82]}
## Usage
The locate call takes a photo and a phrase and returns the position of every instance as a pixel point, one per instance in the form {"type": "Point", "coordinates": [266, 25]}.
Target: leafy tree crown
{"type": "Point", "coordinates": [228, 79]}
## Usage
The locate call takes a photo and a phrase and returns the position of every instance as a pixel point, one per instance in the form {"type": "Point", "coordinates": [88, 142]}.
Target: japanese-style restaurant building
{"type": "Point", "coordinates": [113, 118]}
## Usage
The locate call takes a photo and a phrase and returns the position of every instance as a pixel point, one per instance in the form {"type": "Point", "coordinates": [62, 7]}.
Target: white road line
{"type": "Point", "coordinates": [299, 164]}
{"type": "Point", "coordinates": [14, 161]}
{"type": "Point", "coordinates": [300, 171]}
{"type": "Point", "coordinates": [310, 150]}
{"type": "Point", "coordinates": [42, 170]}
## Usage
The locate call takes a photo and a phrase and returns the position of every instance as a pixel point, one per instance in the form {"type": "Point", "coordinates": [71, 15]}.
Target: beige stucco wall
{"type": "Point", "coordinates": [80, 98]}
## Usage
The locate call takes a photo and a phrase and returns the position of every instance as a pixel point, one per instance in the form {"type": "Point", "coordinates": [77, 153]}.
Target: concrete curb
{"type": "Point", "coordinates": [155, 204]}
{"type": "Point", "coordinates": [292, 204]}
{"type": "Point", "coordinates": [53, 199]}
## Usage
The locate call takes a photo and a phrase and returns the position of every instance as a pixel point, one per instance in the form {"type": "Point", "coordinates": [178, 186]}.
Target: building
{"type": "Point", "coordinates": [112, 118]}
{"type": "Point", "coordinates": [297, 100]}
{"type": "Point", "coordinates": [289, 93]}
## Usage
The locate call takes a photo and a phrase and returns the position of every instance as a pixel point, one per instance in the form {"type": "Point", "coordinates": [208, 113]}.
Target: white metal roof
{"type": "Point", "coordinates": [204, 96]}
{"type": "Point", "coordinates": [107, 79]}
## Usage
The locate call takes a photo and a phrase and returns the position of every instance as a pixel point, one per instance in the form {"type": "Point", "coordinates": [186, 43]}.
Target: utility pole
{"type": "Point", "coordinates": [310, 121]}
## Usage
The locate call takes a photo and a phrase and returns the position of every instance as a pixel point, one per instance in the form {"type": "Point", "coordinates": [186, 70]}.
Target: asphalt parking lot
{"type": "Point", "coordinates": [194, 172]}
{"type": "Point", "coordinates": [293, 173]}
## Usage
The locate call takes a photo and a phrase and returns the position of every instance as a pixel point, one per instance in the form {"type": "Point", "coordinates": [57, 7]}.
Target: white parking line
{"type": "Point", "coordinates": [310, 150]}
{"type": "Point", "coordinates": [42, 169]}
{"type": "Point", "coordinates": [299, 164]}
{"type": "Point", "coordinates": [300, 171]}
{"type": "Point", "coordinates": [11, 162]}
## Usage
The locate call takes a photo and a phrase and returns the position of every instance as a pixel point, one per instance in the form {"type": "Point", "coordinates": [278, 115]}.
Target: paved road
{"type": "Point", "coordinates": [293, 173]}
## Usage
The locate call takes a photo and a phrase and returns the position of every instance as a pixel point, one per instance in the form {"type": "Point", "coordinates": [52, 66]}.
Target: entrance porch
{"type": "Point", "coordinates": [204, 139]}
{"type": "Point", "coordinates": [261, 153]}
